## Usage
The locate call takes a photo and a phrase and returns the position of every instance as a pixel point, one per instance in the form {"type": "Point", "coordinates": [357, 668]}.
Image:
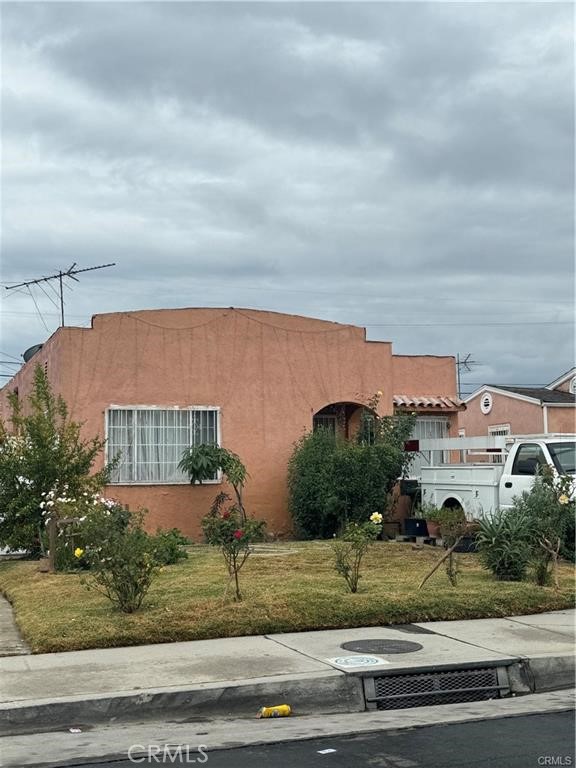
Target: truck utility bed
{"type": "Point", "coordinates": [509, 469]}
{"type": "Point", "coordinates": [476, 485]}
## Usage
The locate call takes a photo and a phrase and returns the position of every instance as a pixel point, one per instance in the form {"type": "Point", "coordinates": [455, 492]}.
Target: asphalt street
{"type": "Point", "coordinates": [512, 742]}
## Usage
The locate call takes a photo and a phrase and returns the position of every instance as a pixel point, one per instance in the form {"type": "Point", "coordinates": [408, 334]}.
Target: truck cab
{"type": "Point", "coordinates": [527, 459]}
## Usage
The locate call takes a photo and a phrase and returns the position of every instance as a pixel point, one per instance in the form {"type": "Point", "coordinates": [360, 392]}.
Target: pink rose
{"type": "Point", "coordinates": [238, 534]}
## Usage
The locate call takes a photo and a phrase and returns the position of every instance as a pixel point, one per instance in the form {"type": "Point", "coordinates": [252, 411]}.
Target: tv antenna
{"type": "Point", "coordinates": [463, 365]}
{"type": "Point", "coordinates": [60, 275]}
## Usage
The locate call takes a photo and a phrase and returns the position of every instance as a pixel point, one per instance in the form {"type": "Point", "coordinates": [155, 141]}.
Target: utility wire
{"type": "Point", "coordinates": [360, 325]}
{"type": "Point", "coordinates": [38, 309]}
{"type": "Point", "coordinates": [47, 295]}
{"type": "Point", "coordinates": [6, 354]}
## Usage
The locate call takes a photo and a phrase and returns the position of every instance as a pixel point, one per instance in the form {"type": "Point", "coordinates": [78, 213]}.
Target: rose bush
{"type": "Point", "coordinates": [228, 528]}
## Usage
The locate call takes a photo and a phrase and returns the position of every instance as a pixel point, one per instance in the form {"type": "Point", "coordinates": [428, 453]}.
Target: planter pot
{"type": "Point", "coordinates": [390, 529]}
{"type": "Point", "coordinates": [433, 529]}
{"type": "Point", "coordinates": [415, 526]}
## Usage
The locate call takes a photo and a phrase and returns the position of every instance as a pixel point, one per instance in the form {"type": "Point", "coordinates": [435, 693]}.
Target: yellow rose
{"type": "Point", "coordinates": [376, 517]}
{"type": "Point", "coordinates": [78, 552]}
{"type": "Point", "coordinates": [563, 499]}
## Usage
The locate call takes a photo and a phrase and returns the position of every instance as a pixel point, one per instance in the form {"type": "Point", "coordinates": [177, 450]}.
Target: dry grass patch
{"type": "Point", "coordinates": [294, 590]}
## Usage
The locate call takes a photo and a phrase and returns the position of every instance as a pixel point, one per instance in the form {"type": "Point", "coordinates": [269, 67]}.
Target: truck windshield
{"type": "Point", "coordinates": [564, 457]}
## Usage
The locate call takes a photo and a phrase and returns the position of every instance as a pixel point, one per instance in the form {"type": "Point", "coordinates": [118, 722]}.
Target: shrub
{"type": "Point", "coordinates": [312, 502]}
{"type": "Point", "coordinates": [504, 545]}
{"type": "Point", "coordinates": [550, 512]}
{"type": "Point", "coordinates": [120, 555]}
{"type": "Point", "coordinates": [228, 529]}
{"type": "Point", "coordinates": [42, 452]}
{"type": "Point", "coordinates": [332, 481]}
{"type": "Point", "coordinates": [349, 549]}
{"type": "Point", "coordinates": [168, 546]}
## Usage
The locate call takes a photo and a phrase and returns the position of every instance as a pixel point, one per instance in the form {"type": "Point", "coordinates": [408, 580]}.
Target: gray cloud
{"type": "Point", "coordinates": [376, 163]}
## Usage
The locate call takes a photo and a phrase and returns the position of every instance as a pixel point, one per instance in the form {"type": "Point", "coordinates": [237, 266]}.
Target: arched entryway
{"type": "Point", "coordinates": [342, 419]}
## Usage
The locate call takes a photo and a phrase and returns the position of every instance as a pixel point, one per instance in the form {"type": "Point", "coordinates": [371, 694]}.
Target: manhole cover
{"type": "Point", "coordinates": [381, 646]}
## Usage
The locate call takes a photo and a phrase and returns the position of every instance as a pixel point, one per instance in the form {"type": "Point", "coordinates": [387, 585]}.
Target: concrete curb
{"type": "Point", "coordinates": [322, 693]}
{"type": "Point", "coordinates": [109, 744]}
{"type": "Point", "coordinates": [327, 692]}
{"type": "Point", "coordinates": [552, 673]}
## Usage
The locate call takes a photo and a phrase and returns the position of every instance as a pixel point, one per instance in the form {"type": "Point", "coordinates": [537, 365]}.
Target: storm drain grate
{"type": "Point", "coordinates": [428, 688]}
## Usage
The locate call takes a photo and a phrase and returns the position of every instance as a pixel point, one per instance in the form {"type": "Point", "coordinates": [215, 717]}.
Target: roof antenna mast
{"type": "Point", "coordinates": [463, 365]}
{"type": "Point", "coordinates": [60, 275]}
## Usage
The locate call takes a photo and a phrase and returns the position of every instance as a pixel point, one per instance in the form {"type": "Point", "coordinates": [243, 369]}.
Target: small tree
{"type": "Point", "coordinates": [351, 546]}
{"type": "Point", "coordinates": [233, 533]}
{"type": "Point", "coordinates": [42, 452]}
{"type": "Point", "coordinates": [226, 527]}
{"type": "Point", "coordinates": [203, 462]}
{"type": "Point", "coordinates": [550, 511]}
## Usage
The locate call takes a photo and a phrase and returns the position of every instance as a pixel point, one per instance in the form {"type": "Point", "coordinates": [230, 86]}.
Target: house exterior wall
{"type": "Point", "coordinates": [562, 419]}
{"type": "Point", "coordinates": [564, 386]}
{"type": "Point", "coordinates": [268, 373]}
{"type": "Point", "coordinates": [524, 417]}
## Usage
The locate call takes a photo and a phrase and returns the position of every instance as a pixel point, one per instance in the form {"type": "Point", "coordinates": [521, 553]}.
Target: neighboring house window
{"type": "Point", "coordinates": [151, 441]}
{"type": "Point", "coordinates": [429, 428]}
{"type": "Point", "coordinates": [486, 403]}
{"type": "Point", "coordinates": [573, 386]}
{"type": "Point", "coordinates": [498, 430]}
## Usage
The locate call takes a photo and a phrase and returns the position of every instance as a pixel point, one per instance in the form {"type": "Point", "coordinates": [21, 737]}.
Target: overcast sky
{"type": "Point", "coordinates": [408, 167]}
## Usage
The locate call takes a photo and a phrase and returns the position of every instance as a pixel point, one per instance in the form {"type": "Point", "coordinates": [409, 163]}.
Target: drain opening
{"type": "Point", "coordinates": [412, 629]}
{"type": "Point", "coordinates": [432, 688]}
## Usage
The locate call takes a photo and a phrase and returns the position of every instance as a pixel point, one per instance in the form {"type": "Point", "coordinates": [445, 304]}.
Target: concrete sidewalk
{"type": "Point", "coordinates": [235, 676]}
{"type": "Point", "coordinates": [11, 642]}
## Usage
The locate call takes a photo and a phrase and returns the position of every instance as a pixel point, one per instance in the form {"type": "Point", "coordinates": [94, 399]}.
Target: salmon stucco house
{"type": "Point", "coordinates": [155, 382]}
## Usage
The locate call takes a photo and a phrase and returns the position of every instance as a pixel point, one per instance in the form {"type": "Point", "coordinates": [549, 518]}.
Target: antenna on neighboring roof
{"type": "Point", "coordinates": [60, 275]}
{"type": "Point", "coordinates": [464, 364]}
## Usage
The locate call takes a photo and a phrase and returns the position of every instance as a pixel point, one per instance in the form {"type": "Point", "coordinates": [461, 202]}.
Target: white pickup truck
{"type": "Point", "coordinates": [481, 488]}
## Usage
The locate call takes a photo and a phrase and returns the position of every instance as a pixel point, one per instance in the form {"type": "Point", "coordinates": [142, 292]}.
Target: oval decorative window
{"type": "Point", "coordinates": [573, 386]}
{"type": "Point", "coordinates": [486, 402]}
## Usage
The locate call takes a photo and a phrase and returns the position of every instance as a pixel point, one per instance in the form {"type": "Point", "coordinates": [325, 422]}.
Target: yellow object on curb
{"type": "Point", "coordinates": [282, 710]}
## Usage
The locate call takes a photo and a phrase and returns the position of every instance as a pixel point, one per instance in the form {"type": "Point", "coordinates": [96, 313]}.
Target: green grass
{"type": "Point", "coordinates": [288, 592]}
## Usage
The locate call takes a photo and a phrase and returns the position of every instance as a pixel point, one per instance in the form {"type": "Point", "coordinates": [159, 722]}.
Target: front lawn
{"type": "Point", "coordinates": [288, 587]}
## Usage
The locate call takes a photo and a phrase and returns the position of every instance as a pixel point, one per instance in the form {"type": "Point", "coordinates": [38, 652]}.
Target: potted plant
{"type": "Point", "coordinates": [432, 516]}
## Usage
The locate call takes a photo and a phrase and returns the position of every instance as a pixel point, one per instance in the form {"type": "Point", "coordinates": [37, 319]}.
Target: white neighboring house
{"type": "Point", "coordinates": [498, 410]}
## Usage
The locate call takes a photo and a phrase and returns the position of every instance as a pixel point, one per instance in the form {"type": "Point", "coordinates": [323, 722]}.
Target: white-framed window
{"type": "Point", "coordinates": [151, 440]}
{"type": "Point", "coordinates": [429, 428]}
{"type": "Point", "coordinates": [573, 386]}
{"type": "Point", "coordinates": [498, 430]}
{"type": "Point", "coordinates": [486, 403]}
